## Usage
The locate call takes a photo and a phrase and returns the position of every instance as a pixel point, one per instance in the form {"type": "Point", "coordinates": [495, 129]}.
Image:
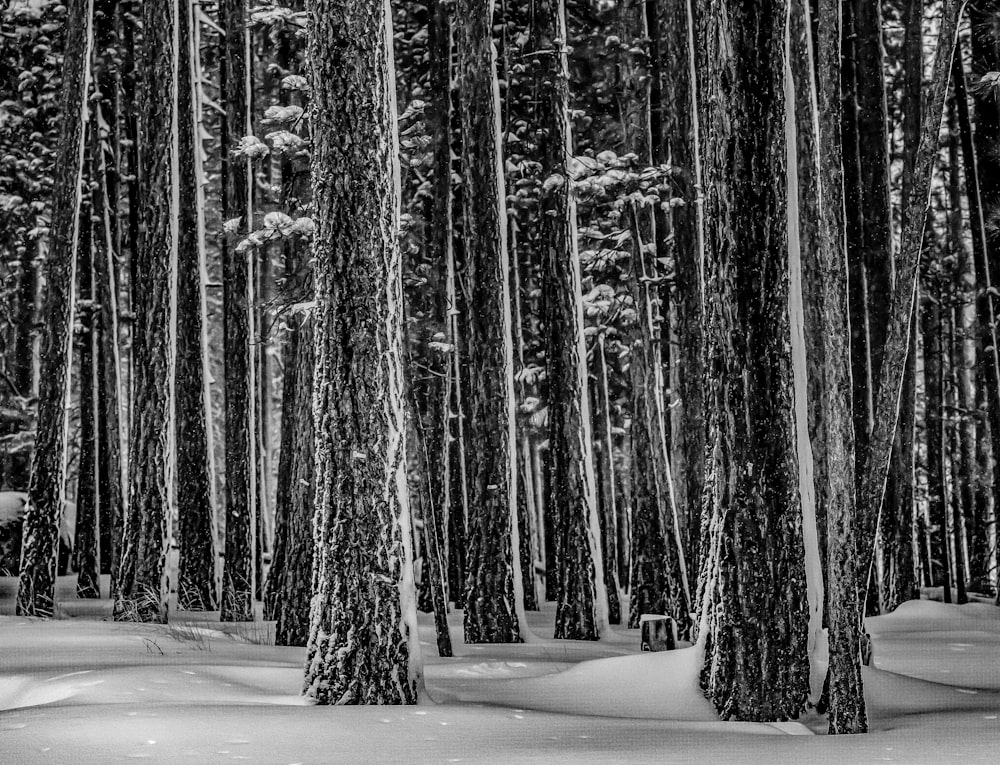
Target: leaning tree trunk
{"type": "Point", "coordinates": [493, 607]}
{"type": "Point", "coordinates": [196, 589]}
{"type": "Point", "coordinates": [581, 600]}
{"type": "Point", "coordinates": [238, 572]}
{"type": "Point", "coordinates": [142, 587]}
{"type": "Point", "coordinates": [845, 701]}
{"type": "Point", "coordinates": [754, 620]}
{"type": "Point", "coordinates": [363, 647]}
{"type": "Point", "coordinates": [871, 486]}
{"type": "Point", "coordinates": [43, 514]}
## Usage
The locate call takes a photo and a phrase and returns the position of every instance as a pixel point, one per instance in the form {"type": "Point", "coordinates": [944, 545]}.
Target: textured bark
{"type": "Point", "coordinates": [43, 513]}
{"type": "Point", "coordinates": [845, 701]}
{"type": "Point", "coordinates": [238, 571]}
{"type": "Point", "coordinates": [288, 590]}
{"type": "Point", "coordinates": [899, 573]}
{"type": "Point", "coordinates": [871, 487]}
{"type": "Point", "coordinates": [490, 607]}
{"type": "Point", "coordinates": [86, 539]}
{"type": "Point", "coordinates": [196, 587]}
{"type": "Point", "coordinates": [986, 306]}
{"type": "Point", "coordinates": [754, 612]}
{"type": "Point", "coordinates": [679, 97]}
{"type": "Point", "coordinates": [361, 645]}
{"type": "Point", "coordinates": [141, 589]}
{"type": "Point", "coordinates": [604, 462]}
{"type": "Point", "coordinates": [107, 244]}
{"type": "Point", "coordinates": [579, 610]}
{"type": "Point", "coordinates": [934, 393]}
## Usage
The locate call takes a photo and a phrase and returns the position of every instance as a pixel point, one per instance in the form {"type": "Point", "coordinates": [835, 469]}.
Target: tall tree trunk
{"type": "Point", "coordinates": [86, 539]}
{"type": "Point", "coordinates": [196, 588]}
{"type": "Point", "coordinates": [871, 487]}
{"type": "Point", "coordinates": [604, 461]}
{"type": "Point", "coordinates": [106, 152]}
{"type": "Point", "coordinates": [44, 510]}
{"type": "Point", "coordinates": [142, 586]}
{"type": "Point", "coordinates": [289, 583]}
{"type": "Point", "coordinates": [682, 134]}
{"type": "Point", "coordinates": [754, 620]}
{"type": "Point", "coordinates": [363, 579]}
{"type": "Point", "coordinates": [581, 602]}
{"type": "Point", "coordinates": [846, 702]}
{"type": "Point", "coordinates": [238, 576]}
{"type": "Point", "coordinates": [986, 301]}
{"type": "Point", "coordinates": [493, 607]}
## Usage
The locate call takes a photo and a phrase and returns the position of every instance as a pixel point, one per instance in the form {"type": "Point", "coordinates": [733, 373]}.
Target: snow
{"type": "Point", "coordinates": [82, 689]}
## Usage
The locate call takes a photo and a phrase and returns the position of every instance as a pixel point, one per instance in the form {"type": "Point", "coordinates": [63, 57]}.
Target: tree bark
{"type": "Point", "coordinates": [142, 588]}
{"type": "Point", "coordinates": [363, 647]}
{"type": "Point", "coordinates": [581, 601]}
{"type": "Point", "coordinates": [44, 510]}
{"type": "Point", "coordinates": [845, 701]}
{"type": "Point", "coordinates": [871, 488]}
{"type": "Point", "coordinates": [238, 575]}
{"type": "Point", "coordinates": [754, 619]}
{"type": "Point", "coordinates": [493, 574]}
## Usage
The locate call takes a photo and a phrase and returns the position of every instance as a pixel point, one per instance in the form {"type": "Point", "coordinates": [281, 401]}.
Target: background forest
{"type": "Point", "coordinates": [322, 314]}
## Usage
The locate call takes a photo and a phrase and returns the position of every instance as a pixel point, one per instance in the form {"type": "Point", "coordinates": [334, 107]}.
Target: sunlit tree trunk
{"type": "Point", "coordinates": [754, 621]}
{"type": "Point", "coordinates": [493, 608]}
{"type": "Point", "coordinates": [142, 586]}
{"type": "Point", "coordinates": [363, 647]}
{"type": "Point", "coordinates": [43, 514]}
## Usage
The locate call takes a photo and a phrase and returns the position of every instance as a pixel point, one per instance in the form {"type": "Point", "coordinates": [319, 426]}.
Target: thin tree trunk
{"type": "Point", "coordinates": [871, 489]}
{"type": "Point", "coordinates": [238, 578]}
{"type": "Point", "coordinates": [44, 510]}
{"type": "Point", "coordinates": [363, 579]}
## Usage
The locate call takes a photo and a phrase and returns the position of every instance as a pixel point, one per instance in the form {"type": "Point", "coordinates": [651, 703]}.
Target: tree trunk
{"type": "Point", "coordinates": [493, 608]}
{"type": "Point", "coordinates": [289, 583]}
{"type": "Point", "coordinates": [845, 702]}
{"type": "Point", "coordinates": [142, 587]}
{"type": "Point", "coordinates": [581, 602]}
{"type": "Point", "coordinates": [604, 461]}
{"type": "Point", "coordinates": [196, 589]}
{"type": "Point", "coordinates": [86, 539]}
{"type": "Point", "coordinates": [871, 488]}
{"type": "Point", "coordinates": [363, 647]}
{"type": "Point", "coordinates": [754, 620]}
{"type": "Point", "coordinates": [238, 571]}
{"type": "Point", "coordinates": [44, 510]}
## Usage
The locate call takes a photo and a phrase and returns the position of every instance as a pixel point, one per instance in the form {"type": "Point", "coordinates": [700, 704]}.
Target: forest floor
{"type": "Point", "coordinates": [82, 689]}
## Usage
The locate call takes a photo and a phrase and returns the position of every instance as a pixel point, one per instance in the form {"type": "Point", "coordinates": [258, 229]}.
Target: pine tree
{"type": "Point", "coordinates": [754, 623]}
{"type": "Point", "coordinates": [140, 593]}
{"type": "Point", "coordinates": [238, 570]}
{"type": "Point", "coordinates": [43, 514]}
{"type": "Point", "coordinates": [492, 597]}
{"type": "Point", "coordinates": [362, 636]}
{"type": "Point", "coordinates": [196, 587]}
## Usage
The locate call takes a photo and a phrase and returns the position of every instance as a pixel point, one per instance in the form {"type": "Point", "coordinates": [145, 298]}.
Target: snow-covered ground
{"type": "Point", "coordinates": [82, 689]}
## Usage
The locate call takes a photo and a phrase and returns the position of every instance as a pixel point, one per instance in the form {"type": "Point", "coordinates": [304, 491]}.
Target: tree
{"type": "Point", "coordinates": [363, 646]}
{"type": "Point", "coordinates": [43, 514]}
{"type": "Point", "coordinates": [754, 623]}
{"type": "Point", "coordinates": [492, 598]}
{"type": "Point", "coordinates": [581, 603]}
{"type": "Point", "coordinates": [141, 587]}
{"type": "Point", "coordinates": [846, 702]}
{"type": "Point", "coordinates": [238, 571]}
{"type": "Point", "coordinates": [196, 587]}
